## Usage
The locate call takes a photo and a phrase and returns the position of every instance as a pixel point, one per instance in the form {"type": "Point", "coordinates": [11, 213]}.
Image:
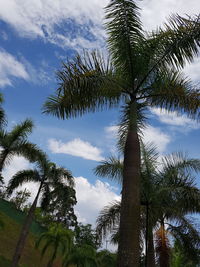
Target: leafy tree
{"type": "Point", "coordinates": [49, 177]}
{"type": "Point", "coordinates": [21, 198]}
{"type": "Point", "coordinates": [168, 194]}
{"type": "Point", "coordinates": [144, 69]}
{"type": "Point", "coordinates": [84, 234]}
{"type": "Point", "coordinates": [58, 239]}
{"type": "Point", "coordinates": [61, 202]}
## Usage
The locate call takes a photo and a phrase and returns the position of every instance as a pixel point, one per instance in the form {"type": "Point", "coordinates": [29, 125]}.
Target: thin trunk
{"type": "Point", "coordinates": [151, 251]}
{"type": "Point", "coordinates": [2, 161]}
{"type": "Point", "coordinates": [129, 241]}
{"type": "Point", "coordinates": [25, 231]}
{"type": "Point", "coordinates": [147, 234]}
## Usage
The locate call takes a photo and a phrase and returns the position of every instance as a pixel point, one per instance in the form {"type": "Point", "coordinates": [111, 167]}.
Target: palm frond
{"type": "Point", "coordinates": [20, 131]}
{"type": "Point", "coordinates": [87, 83]}
{"type": "Point", "coordinates": [22, 177]}
{"type": "Point", "coordinates": [178, 41]}
{"type": "Point", "coordinates": [187, 235]}
{"type": "Point", "coordinates": [172, 91]}
{"type": "Point", "coordinates": [124, 30]}
{"type": "Point", "coordinates": [111, 168]}
{"type": "Point", "coordinates": [108, 219]}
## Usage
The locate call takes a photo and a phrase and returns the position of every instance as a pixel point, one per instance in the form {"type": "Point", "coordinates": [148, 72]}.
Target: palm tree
{"type": "Point", "coordinates": [168, 194]}
{"type": "Point", "coordinates": [49, 177]}
{"type": "Point", "coordinates": [58, 238]}
{"type": "Point", "coordinates": [144, 69]}
{"type": "Point", "coordinates": [81, 256]}
{"type": "Point", "coordinates": [15, 143]}
{"type": "Point", "coordinates": [106, 258]}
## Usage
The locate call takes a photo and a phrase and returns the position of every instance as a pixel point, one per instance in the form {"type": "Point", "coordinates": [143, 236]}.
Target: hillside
{"type": "Point", "coordinates": [13, 220]}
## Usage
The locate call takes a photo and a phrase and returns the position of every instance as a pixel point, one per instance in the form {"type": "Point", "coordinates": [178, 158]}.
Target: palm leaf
{"type": "Point", "coordinates": [85, 86]}
{"type": "Point", "coordinates": [22, 177]}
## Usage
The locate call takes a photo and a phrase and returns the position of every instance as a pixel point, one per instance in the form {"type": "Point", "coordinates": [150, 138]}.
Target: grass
{"type": "Point", "coordinates": [8, 239]}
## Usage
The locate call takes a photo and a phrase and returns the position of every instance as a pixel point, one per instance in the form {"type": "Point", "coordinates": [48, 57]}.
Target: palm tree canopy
{"type": "Point", "coordinates": [142, 67]}
{"type": "Point", "coordinates": [167, 187]}
{"type": "Point", "coordinates": [57, 237]}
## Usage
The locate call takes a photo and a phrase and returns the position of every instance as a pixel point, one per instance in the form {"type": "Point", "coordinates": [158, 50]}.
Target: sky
{"type": "Point", "coordinates": [36, 36]}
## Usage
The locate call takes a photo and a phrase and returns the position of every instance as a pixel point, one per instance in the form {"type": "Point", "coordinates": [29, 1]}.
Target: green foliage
{"type": "Point", "coordinates": [21, 198]}
{"type": "Point", "coordinates": [85, 235]}
{"type": "Point", "coordinates": [58, 238]}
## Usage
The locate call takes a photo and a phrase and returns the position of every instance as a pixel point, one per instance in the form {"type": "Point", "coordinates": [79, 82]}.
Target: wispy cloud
{"type": "Point", "coordinates": [11, 67]}
{"type": "Point", "coordinates": [156, 136]}
{"type": "Point", "coordinates": [76, 147]}
{"type": "Point", "coordinates": [174, 119]}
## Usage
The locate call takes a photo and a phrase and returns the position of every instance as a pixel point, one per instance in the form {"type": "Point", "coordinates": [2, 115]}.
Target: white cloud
{"type": "Point", "coordinates": [155, 13]}
{"type": "Point", "coordinates": [42, 18]}
{"type": "Point", "coordinates": [76, 147]}
{"type": "Point", "coordinates": [156, 136]}
{"type": "Point", "coordinates": [173, 118]}
{"type": "Point", "coordinates": [91, 198]}
{"type": "Point", "coordinates": [192, 70]}
{"type": "Point", "coordinates": [10, 67]}
{"type": "Point", "coordinates": [16, 164]}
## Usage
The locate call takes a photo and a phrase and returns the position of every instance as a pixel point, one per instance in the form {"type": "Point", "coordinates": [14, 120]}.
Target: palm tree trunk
{"type": "Point", "coordinates": [151, 251]}
{"type": "Point", "coordinates": [25, 230]}
{"type": "Point", "coordinates": [163, 249]}
{"type": "Point", "coordinates": [129, 244]}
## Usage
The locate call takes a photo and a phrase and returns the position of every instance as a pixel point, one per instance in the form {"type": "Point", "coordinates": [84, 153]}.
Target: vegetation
{"type": "Point", "coordinates": [152, 224]}
{"type": "Point", "coordinates": [168, 196]}
{"type": "Point", "coordinates": [143, 70]}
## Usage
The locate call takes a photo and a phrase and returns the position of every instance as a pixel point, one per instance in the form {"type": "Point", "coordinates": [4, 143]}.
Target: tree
{"type": "Point", "coordinates": [48, 176]}
{"type": "Point", "coordinates": [21, 198]}
{"type": "Point", "coordinates": [81, 256]}
{"type": "Point", "coordinates": [58, 238]}
{"type": "Point", "coordinates": [61, 202]}
{"type": "Point", "coordinates": [168, 193]}
{"type": "Point", "coordinates": [14, 143]}
{"type": "Point", "coordinates": [84, 234]}
{"type": "Point", "coordinates": [144, 69]}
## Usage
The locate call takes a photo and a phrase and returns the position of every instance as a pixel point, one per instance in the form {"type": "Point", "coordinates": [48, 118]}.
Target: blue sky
{"type": "Point", "coordinates": [35, 37]}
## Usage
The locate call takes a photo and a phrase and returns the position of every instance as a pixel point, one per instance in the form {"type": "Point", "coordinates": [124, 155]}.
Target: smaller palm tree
{"type": "Point", "coordinates": [58, 239]}
{"type": "Point", "coordinates": [49, 177]}
{"type": "Point", "coordinates": [81, 256]}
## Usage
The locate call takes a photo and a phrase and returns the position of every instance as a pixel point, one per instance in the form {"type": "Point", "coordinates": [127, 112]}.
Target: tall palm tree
{"type": "Point", "coordinates": [49, 177]}
{"type": "Point", "coordinates": [143, 70]}
{"type": "Point", "coordinates": [58, 238]}
{"type": "Point", "coordinates": [168, 193]}
{"type": "Point", "coordinates": [15, 143]}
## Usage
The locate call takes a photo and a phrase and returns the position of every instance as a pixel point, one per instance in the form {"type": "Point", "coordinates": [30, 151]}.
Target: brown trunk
{"type": "Point", "coordinates": [151, 252]}
{"type": "Point", "coordinates": [162, 247]}
{"type": "Point", "coordinates": [129, 245]}
{"type": "Point", "coordinates": [25, 231]}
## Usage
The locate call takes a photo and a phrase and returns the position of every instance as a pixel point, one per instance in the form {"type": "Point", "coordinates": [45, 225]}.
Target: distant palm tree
{"type": "Point", "coordinates": [105, 258]}
{"type": "Point", "coordinates": [81, 256]}
{"type": "Point", "coordinates": [143, 70]}
{"type": "Point", "coordinates": [48, 176]}
{"type": "Point", "coordinates": [15, 143]}
{"type": "Point", "coordinates": [58, 239]}
{"type": "Point", "coordinates": [168, 194]}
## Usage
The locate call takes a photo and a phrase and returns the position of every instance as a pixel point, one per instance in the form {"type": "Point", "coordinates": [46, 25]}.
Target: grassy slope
{"type": "Point", "coordinates": [8, 238]}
